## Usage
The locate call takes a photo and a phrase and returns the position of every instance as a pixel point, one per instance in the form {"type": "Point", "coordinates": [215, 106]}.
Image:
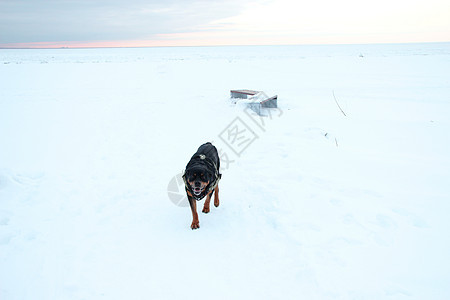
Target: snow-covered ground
{"type": "Point", "coordinates": [314, 204]}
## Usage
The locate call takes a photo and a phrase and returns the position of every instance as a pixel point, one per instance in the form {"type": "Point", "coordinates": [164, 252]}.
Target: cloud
{"type": "Point", "coordinates": [25, 21]}
{"type": "Point", "coordinates": [219, 22]}
{"type": "Point", "coordinates": [328, 21]}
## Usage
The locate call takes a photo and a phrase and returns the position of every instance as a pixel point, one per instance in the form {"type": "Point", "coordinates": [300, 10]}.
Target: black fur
{"type": "Point", "coordinates": [209, 167]}
{"type": "Point", "coordinates": [201, 178]}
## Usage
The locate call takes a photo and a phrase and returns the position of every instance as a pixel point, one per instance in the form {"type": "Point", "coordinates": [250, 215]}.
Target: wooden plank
{"type": "Point", "coordinates": [242, 93]}
{"type": "Point", "coordinates": [256, 102]}
{"type": "Point", "coordinates": [271, 102]}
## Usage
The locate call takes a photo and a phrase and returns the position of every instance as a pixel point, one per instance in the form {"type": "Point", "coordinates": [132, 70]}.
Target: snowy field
{"type": "Point", "coordinates": [314, 204]}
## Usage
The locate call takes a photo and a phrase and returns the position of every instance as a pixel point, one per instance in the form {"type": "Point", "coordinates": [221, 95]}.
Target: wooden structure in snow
{"type": "Point", "coordinates": [256, 100]}
{"type": "Point", "coordinates": [242, 93]}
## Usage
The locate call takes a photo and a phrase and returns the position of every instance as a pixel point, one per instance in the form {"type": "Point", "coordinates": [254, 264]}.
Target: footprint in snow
{"type": "Point", "coordinates": [395, 291]}
{"type": "Point", "coordinates": [385, 221]}
{"type": "Point", "coordinates": [5, 239]}
{"type": "Point", "coordinates": [28, 179]}
{"type": "Point", "coordinates": [5, 217]}
{"type": "Point", "coordinates": [336, 202]}
{"type": "Point", "coordinates": [4, 221]}
{"type": "Point", "coordinates": [414, 219]}
{"type": "Point", "coordinates": [3, 181]}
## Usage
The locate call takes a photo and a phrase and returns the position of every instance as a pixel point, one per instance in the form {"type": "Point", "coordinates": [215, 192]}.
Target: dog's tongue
{"type": "Point", "coordinates": [197, 191]}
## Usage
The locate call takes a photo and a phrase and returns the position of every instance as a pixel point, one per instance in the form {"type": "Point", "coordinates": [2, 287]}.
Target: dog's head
{"type": "Point", "coordinates": [198, 178]}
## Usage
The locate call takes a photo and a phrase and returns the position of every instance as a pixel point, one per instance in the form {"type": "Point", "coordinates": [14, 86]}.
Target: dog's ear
{"type": "Point", "coordinates": [189, 174]}
{"type": "Point", "coordinates": [209, 176]}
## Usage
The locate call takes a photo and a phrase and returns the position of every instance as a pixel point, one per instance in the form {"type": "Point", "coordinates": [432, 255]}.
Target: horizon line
{"type": "Point", "coordinates": [218, 45]}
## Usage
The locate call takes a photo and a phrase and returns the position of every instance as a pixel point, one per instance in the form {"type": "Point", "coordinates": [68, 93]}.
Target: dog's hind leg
{"type": "Point", "coordinates": [195, 222]}
{"type": "Point", "coordinates": [216, 196]}
{"type": "Point", "coordinates": [206, 205]}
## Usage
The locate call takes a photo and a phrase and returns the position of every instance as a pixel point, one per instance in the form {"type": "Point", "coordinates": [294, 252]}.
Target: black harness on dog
{"type": "Point", "coordinates": [201, 159]}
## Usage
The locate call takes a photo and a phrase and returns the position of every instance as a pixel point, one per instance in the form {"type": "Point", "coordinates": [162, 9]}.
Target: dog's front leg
{"type": "Point", "coordinates": [216, 196]}
{"type": "Point", "coordinates": [206, 205]}
{"type": "Point", "coordinates": [195, 222]}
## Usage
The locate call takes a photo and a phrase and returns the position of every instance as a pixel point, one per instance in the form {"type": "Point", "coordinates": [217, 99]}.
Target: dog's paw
{"type": "Point", "coordinates": [205, 209]}
{"type": "Point", "coordinates": [195, 225]}
{"type": "Point", "coordinates": [216, 202]}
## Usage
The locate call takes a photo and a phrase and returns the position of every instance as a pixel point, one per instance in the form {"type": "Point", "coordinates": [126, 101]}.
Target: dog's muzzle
{"type": "Point", "coordinates": [197, 190]}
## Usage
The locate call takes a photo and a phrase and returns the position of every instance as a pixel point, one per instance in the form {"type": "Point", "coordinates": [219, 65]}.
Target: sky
{"type": "Point", "coordinates": [140, 23]}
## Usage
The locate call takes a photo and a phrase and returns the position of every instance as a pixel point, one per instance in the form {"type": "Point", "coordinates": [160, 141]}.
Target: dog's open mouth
{"type": "Point", "coordinates": [197, 191]}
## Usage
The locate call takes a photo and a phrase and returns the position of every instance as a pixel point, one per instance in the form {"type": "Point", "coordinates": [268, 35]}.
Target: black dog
{"type": "Point", "coordinates": [201, 179]}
